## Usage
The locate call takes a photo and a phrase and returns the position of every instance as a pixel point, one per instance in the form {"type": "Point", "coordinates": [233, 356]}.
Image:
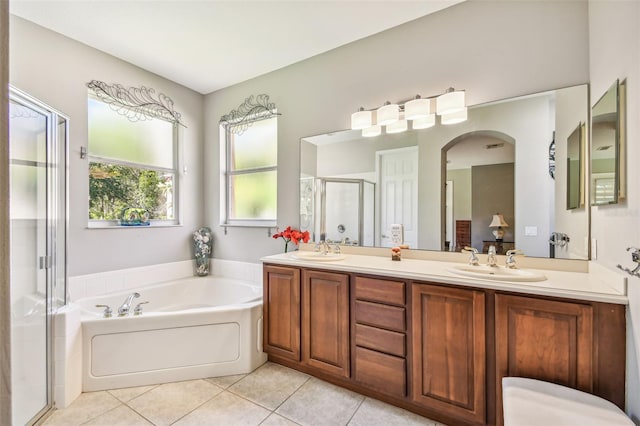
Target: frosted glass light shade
{"type": "Point", "coordinates": [424, 123]}
{"type": "Point", "coordinates": [454, 117]}
{"type": "Point", "coordinates": [372, 131]}
{"type": "Point", "coordinates": [417, 108]}
{"type": "Point", "coordinates": [397, 127]}
{"type": "Point", "coordinates": [361, 120]}
{"type": "Point", "coordinates": [388, 114]}
{"type": "Point", "coordinates": [450, 102]}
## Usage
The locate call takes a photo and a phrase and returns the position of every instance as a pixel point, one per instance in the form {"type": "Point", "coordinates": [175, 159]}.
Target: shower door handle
{"type": "Point", "coordinates": [45, 262]}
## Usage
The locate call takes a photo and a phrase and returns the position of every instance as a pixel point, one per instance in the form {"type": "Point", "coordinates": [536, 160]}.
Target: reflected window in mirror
{"type": "Point", "coordinates": [575, 168]}
{"type": "Point", "coordinates": [607, 147]}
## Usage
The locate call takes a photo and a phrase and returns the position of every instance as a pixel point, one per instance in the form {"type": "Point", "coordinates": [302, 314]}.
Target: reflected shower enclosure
{"type": "Point", "coordinates": [338, 210]}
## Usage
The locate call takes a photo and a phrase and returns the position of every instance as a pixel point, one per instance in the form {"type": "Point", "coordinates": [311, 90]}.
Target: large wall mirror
{"type": "Point", "coordinates": [455, 185]}
{"type": "Point", "coordinates": [607, 147]}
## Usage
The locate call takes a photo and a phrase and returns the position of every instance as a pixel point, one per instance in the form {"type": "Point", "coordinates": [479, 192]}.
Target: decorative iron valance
{"type": "Point", "coordinates": [251, 110]}
{"type": "Point", "coordinates": [135, 103]}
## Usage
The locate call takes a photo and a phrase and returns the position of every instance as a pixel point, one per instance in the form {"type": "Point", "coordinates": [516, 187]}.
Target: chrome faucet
{"type": "Point", "coordinates": [491, 256]}
{"type": "Point", "coordinates": [473, 258]}
{"type": "Point", "coordinates": [511, 258]}
{"type": "Point", "coordinates": [124, 309]}
{"type": "Point", "coordinates": [323, 247]}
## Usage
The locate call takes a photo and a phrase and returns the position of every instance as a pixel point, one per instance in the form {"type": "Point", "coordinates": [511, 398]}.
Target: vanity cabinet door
{"type": "Point", "coordinates": [544, 339]}
{"type": "Point", "coordinates": [281, 312]}
{"type": "Point", "coordinates": [325, 321]}
{"type": "Point", "coordinates": [448, 330]}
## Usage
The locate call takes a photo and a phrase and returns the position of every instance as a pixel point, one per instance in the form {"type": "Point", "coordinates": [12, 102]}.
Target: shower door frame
{"type": "Point", "coordinates": [57, 179]}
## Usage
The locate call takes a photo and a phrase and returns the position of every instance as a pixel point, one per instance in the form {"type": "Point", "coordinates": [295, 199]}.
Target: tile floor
{"type": "Point", "coordinates": [271, 395]}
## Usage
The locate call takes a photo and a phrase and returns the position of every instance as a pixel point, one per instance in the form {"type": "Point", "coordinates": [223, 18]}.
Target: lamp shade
{"type": "Point", "coordinates": [454, 117]}
{"type": "Point", "coordinates": [498, 221]}
{"type": "Point", "coordinates": [417, 108]}
{"type": "Point", "coordinates": [397, 127]}
{"type": "Point", "coordinates": [424, 123]}
{"type": "Point", "coordinates": [371, 131]}
{"type": "Point", "coordinates": [388, 114]}
{"type": "Point", "coordinates": [361, 120]}
{"type": "Point", "coordinates": [450, 102]}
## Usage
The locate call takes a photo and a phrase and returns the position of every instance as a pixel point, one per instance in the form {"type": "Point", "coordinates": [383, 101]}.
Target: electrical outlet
{"type": "Point", "coordinates": [531, 231]}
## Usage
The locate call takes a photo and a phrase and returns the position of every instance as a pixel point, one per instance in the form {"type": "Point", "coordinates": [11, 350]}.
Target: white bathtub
{"type": "Point", "coordinates": [191, 328]}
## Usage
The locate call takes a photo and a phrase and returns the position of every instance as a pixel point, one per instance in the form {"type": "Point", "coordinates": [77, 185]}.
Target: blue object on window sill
{"type": "Point", "coordinates": [134, 216]}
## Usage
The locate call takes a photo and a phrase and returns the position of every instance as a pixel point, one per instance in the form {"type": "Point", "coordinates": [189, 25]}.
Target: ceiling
{"type": "Point", "coordinates": [207, 45]}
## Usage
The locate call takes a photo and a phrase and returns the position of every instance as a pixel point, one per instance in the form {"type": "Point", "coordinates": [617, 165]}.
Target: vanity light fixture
{"type": "Point", "coordinates": [397, 126]}
{"type": "Point", "coordinates": [418, 108]}
{"type": "Point", "coordinates": [450, 102]}
{"type": "Point", "coordinates": [372, 131]}
{"type": "Point", "coordinates": [362, 119]}
{"type": "Point", "coordinates": [387, 114]}
{"type": "Point", "coordinates": [424, 123]}
{"type": "Point", "coordinates": [450, 106]}
{"type": "Point", "coordinates": [454, 117]}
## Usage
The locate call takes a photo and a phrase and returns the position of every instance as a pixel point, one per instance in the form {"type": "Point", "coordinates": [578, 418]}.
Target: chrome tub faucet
{"type": "Point", "coordinates": [124, 309]}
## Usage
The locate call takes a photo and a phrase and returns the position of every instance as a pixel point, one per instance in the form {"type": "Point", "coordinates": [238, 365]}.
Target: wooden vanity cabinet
{"type": "Point", "coordinates": [325, 322]}
{"type": "Point", "coordinates": [576, 344]}
{"type": "Point", "coordinates": [448, 329]}
{"type": "Point", "coordinates": [439, 350]}
{"type": "Point", "coordinates": [379, 321]}
{"type": "Point", "coordinates": [281, 312]}
{"type": "Point", "coordinates": [306, 318]}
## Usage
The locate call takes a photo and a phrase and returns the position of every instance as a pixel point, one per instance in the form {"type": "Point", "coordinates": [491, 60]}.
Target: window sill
{"type": "Point", "coordinates": [115, 225]}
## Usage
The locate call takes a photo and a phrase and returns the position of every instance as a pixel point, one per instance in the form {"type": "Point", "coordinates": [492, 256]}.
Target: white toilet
{"type": "Point", "coordinates": [529, 402]}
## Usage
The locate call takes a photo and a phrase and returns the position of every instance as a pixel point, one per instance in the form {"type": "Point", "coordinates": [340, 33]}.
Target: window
{"type": "Point", "coordinates": [132, 168]}
{"type": "Point", "coordinates": [249, 195]}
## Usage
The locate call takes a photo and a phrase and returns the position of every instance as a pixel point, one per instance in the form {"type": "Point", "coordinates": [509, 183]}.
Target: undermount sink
{"type": "Point", "coordinates": [315, 256]}
{"type": "Point", "coordinates": [497, 273]}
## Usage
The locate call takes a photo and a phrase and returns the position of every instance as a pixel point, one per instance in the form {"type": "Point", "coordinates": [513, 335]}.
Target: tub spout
{"type": "Point", "coordinates": [124, 309]}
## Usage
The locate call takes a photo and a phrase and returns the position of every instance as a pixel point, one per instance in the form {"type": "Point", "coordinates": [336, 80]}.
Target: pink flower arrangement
{"type": "Point", "coordinates": [292, 235]}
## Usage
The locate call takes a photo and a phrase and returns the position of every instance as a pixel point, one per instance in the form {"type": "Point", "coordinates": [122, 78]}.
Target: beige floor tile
{"type": "Point", "coordinates": [320, 403]}
{"type": "Point", "coordinates": [120, 416]}
{"type": "Point", "coordinates": [225, 409]}
{"type": "Point", "coordinates": [225, 381]}
{"type": "Point", "coordinates": [127, 394]}
{"type": "Point", "coordinates": [269, 385]}
{"type": "Point", "coordinates": [277, 420]}
{"type": "Point", "coordinates": [167, 403]}
{"type": "Point", "coordinates": [86, 407]}
{"type": "Point", "coordinates": [374, 412]}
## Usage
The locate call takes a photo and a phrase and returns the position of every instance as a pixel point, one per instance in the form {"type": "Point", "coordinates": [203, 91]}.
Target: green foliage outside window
{"type": "Point", "coordinates": [113, 188]}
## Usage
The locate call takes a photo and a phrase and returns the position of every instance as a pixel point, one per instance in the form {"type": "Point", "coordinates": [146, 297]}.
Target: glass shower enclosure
{"type": "Point", "coordinates": [38, 211]}
{"type": "Point", "coordinates": [338, 210]}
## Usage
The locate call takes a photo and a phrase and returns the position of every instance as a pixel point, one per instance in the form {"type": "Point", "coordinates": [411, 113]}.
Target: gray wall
{"type": "Point", "coordinates": [494, 50]}
{"type": "Point", "coordinates": [492, 192]}
{"type": "Point", "coordinates": [55, 69]}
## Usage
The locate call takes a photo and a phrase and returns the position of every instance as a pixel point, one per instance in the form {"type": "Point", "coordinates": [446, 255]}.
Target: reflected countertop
{"type": "Point", "coordinates": [597, 284]}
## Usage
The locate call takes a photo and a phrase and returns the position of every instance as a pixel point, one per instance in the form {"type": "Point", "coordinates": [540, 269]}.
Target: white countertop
{"type": "Point", "coordinates": [596, 285]}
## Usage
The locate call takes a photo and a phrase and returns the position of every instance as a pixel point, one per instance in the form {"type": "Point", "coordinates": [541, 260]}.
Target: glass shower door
{"type": "Point", "coordinates": [35, 170]}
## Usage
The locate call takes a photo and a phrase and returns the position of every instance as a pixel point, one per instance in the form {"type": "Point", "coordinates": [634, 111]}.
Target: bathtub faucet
{"type": "Point", "coordinates": [124, 309]}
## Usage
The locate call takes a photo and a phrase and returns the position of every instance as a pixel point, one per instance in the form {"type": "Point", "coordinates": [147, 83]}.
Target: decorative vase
{"type": "Point", "coordinates": [202, 249]}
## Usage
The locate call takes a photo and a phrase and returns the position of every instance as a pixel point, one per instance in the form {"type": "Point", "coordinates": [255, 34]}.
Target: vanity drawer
{"type": "Point", "coordinates": [381, 372]}
{"type": "Point", "coordinates": [381, 340]}
{"type": "Point", "coordinates": [378, 290]}
{"type": "Point", "coordinates": [377, 315]}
